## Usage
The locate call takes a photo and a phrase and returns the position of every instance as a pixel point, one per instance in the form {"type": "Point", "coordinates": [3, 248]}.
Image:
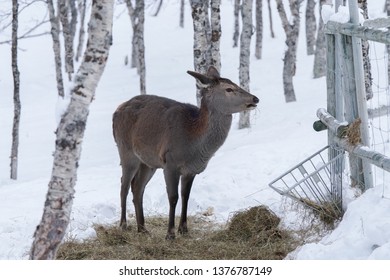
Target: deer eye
{"type": "Point", "coordinates": [229, 90]}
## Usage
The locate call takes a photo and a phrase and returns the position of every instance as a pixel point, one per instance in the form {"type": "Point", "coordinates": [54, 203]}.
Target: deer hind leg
{"type": "Point", "coordinates": [172, 178]}
{"type": "Point", "coordinates": [141, 178]}
{"type": "Point", "coordinates": [129, 169]}
{"type": "Point", "coordinates": [186, 184]}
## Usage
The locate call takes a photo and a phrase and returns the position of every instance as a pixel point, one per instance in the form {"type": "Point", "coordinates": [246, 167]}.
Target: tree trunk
{"type": "Point", "coordinates": [55, 34]}
{"type": "Point", "coordinates": [82, 9]}
{"type": "Point", "coordinates": [292, 33]}
{"type": "Point", "coordinates": [137, 18]}
{"type": "Point", "coordinates": [140, 11]}
{"type": "Point", "coordinates": [311, 26]}
{"type": "Point", "coordinates": [270, 20]}
{"type": "Point", "coordinates": [366, 55]}
{"type": "Point", "coordinates": [259, 28]}
{"type": "Point", "coordinates": [216, 32]}
{"type": "Point", "coordinates": [200, 40]}
{"type": "Point", "coordinates": [319, 69]}
{"type": "Point", "coordinates": [387, 6]}
{"type": "Point", "coordinates": [63, 11]}
{"type": "Point", "coordinates": [73, 19]}
{"type": "Point", "coordinates": [182, 4]}
{"type": "Point", "coordinates": [17, 105]}
{"type": "Point", "coordinates": [70, 132]}
{"type": "Point", "coordinates": [245, 42]}
{"type": "Point", "coordinates": [236, 33]}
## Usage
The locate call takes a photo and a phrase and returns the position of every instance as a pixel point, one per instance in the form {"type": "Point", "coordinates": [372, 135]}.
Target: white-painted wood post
{"type": "Point", "coordinates": [360, 91]}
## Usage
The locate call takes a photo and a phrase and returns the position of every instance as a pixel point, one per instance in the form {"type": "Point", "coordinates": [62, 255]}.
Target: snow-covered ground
{"type": "Point", "coordinates": [236, 178]}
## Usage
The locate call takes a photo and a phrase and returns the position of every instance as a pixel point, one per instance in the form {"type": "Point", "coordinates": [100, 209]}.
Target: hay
{"type": "Point", "coordinates": [327, 212]}
{"type": "Point", "coordinates": [353, 132]}
{"type": "Point", "coordinates": [256, 225]}
{"type": "Point", "coordinates": [250, 234]}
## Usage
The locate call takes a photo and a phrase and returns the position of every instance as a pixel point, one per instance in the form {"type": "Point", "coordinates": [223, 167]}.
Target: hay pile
{"type": "Point", "coordinates": [250, 234]}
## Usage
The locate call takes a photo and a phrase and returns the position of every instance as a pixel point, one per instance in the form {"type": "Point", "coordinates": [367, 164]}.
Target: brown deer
{"type": "Point", "coordinates": [155, 132]}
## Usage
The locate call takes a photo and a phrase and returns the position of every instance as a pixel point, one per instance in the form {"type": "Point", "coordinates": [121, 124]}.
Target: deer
{"type": "Point", "coordinates": [153, 132]}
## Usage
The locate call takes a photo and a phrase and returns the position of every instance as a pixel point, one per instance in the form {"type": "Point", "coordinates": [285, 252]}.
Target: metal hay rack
{"type": "Point", "coordinates": [316, 182]}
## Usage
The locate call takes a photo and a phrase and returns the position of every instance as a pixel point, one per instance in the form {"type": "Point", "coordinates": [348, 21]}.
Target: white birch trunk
{"type": "Point", "coordinates": [82, 9]}
{"type": "Point", "coordinates": [270, 20]}
{"type": "Point", "coordinates": [200, 40]}
{"type": "Point", "coordinates": [244, 70]}
{"type": "Point", "coordinates": [55, 31]}
{"type": "Point", "coordinates": [319, 68]}
{"type": "Point", "coordinates": [17, 105]}
{"type": "Point", "coordinates": [387, 9]}
{"type": "Point", "coordinates": [140, 11]}
{"type": "Point", "coordinates": [236, 34]}
{"type": "Point", "coordinates": [311, 26]}
{"type": "Point", "coordinates": [137, 18]}
{"type": "Point", "coordinates": [70, 132]}
{"type": "Point", "coordinates": [366, 55]}
{"type": "Point", "coordinates": [63, 11]}
{"type": "Point", "coordinates": [216, 31]}
{"type": "Point", "coordinates": [259, 29]}
{"type": "Point", "coordinates": [181, 21]}
{"type": "Point", "coordinates": [292, 33]}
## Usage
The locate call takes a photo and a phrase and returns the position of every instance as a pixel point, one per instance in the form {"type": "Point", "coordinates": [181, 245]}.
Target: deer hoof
{"type": "Point", "coordinates": [143, 230]}
{"type": "Point", "coordinates": [183, 230]}
{"type": "Point", "coordinates": [123, 226]}
{"type": "Point", "coordinates": [170, 236]}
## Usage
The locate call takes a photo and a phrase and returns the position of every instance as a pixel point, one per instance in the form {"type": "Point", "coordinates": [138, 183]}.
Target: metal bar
{"type": "Point", "coordinates": [358, 31]}
{"type": "Point", "coordinates": [365, 153]}
{"type": "Point", "coordinates": [338, 128]}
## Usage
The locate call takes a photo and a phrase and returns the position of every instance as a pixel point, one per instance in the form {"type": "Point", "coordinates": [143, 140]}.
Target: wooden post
{"type": "Point", "coordinates": [360, 92]}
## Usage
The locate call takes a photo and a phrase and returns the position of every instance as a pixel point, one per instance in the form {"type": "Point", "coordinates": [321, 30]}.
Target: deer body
{"type": "Point", "coordinates": [155, 132]}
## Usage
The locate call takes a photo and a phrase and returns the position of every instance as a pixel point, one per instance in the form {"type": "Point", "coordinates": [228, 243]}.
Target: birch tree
{"type": "Point", "coordinates": [137, 18]}
{"type": "Point", "coordinates": [70, 132]}
{"type": "Point", "coordinates": [63, 11]}
{"type": "Point", "coordinates": [319, 68]}
{"type": "Point", "coordinates": [245, 42]}
{"type": "Point", "coordinates": [311, 26]}
{"type": "Point", "coordinates": [216, 32]}
{"type": "Point", "coordinates": [259, 29]}
{"type": "Point", "coordinates": [366, 55]}
{"type": "Point", "coordinates": [82, 9]}
{"type": "Point", "coordinates": [387, 10]}
{"type": "Point", "coordinates": [55, 34]}
{"type": "Point", "coordinates": [236, 34]}
{"type": "Point", "coordinates": [16, 78]}
{"type": "Point", "coordinates": [292, 33]}
{"type": "Point", "coordinates": [207, 35]}
{"type": "Point", "coordinates": [181, 20]}
{"type": "Point", "coordinates": [270, 19]}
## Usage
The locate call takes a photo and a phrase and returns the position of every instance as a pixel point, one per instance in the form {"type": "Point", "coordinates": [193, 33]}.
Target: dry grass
{"type": "Point", "coordinates": [353, 132]}
{"type": "Point", "coordinates": [250, 234]}
{"type": "Point", "coordinates": [327, 212]}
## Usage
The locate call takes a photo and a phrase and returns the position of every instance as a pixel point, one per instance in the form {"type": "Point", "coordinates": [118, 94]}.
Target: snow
{"type": "Point", "coordinates": [237, 176]}
{"type": "Point", "coordinates": [342, 15]}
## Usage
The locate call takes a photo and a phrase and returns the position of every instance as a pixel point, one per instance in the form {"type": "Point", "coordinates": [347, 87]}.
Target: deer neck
{"type": "Point", "coordinates": [214, 127]}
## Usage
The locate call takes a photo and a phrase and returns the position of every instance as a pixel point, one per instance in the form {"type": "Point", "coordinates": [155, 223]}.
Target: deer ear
{"type": "Point", "coordinates": [213, 73]}
{"type": "Point", "coordinates": [203, 81]}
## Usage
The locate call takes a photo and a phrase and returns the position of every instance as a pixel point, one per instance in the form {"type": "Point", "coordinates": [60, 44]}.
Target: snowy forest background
{"type": "Point", "coordinates": [280, 133]}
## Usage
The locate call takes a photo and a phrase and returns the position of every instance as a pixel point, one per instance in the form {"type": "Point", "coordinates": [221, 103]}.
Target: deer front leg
{"type": "Point", "coordinates": [186, 184]}
{"type": "Point", "coordinates": [172, 181]}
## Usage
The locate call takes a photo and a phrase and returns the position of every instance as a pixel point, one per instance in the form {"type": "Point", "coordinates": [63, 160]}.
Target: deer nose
{"type": "Point", "coordinates": [255, 99]}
